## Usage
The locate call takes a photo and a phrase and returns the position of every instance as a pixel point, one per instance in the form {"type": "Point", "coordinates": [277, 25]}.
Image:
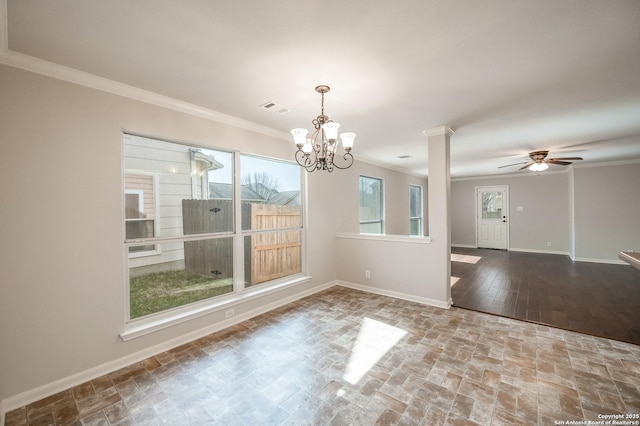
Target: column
{"type": "Point", "coordinates": [439, 197]}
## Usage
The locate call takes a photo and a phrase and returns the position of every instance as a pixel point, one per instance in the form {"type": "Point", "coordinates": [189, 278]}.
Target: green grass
{"type": "Point", "coordinates": [160, 291]}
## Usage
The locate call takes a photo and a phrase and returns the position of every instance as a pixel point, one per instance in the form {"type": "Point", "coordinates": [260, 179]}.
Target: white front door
{"type": "Point", "coordinates": [492, 206]}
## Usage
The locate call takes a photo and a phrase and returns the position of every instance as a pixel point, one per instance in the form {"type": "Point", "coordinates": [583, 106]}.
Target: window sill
{"type": "Point", "coordinates": [144, 326]}
{"type": "Point", "coordinates": [387, 237]}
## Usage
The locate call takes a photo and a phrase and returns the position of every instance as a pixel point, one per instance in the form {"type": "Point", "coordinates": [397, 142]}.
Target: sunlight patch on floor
{"type": "Point", "coordinates": [374, 340]}
{"type": "Point", "coordinates": [454, 280]}
{"type": "Point", "coordinates": [465, 258]}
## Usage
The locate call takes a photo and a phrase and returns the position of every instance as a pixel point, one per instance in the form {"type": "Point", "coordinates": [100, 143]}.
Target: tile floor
{"type": "Point", "coordinates": [345, 357]}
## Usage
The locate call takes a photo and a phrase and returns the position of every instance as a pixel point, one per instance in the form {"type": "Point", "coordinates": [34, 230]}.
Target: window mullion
{"type": "Point", "coordinates": [238, 237]}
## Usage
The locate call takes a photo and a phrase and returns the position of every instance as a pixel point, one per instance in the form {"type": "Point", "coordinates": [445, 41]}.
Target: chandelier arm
{"type": "Point", "coordinates": [306, 161]}
{"type": "Point", "coordinates": [348, 158]}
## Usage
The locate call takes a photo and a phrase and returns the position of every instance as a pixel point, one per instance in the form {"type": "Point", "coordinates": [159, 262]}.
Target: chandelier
{"type": "Point", "coordinates": [320, 151]}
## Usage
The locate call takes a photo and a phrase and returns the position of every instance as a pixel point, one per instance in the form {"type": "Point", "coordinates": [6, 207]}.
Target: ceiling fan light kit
{"type": "Point", "coordinates": [538, 167]}
{"type": "Point", "coordinates": [319, 151]}
{"type": "Point", "coordinates": [539, 161]}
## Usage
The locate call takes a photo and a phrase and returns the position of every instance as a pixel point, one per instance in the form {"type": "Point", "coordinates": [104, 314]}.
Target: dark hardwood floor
{"type": "Point", "coordinates": [592, 298]}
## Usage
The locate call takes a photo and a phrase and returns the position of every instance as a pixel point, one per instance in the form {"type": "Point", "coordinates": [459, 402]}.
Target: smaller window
{"type": "Point", "coordinates": [371, 205]}
{"type": "Point", "coordinates": [415, 210]}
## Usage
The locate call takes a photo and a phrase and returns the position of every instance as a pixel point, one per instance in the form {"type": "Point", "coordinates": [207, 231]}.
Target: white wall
{"type": "Point", "coordinates": [62, 297]}
{"type": "Point", "coordinates": [396, 197]}
{"type": "Point", "coordinates": [397, 267]}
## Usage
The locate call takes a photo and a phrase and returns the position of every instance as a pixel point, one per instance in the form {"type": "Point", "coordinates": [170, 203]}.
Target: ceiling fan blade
{"type": "Point", "coordinates": [527, 165]}
{"type": "Point", "coordinates": [565, 158]}
{"type": "Point", "coordinates": [560, 163]}
{"type": "Point", "coordinates": [514, 164]}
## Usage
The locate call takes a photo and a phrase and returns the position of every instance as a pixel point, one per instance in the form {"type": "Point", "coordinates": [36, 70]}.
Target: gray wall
{"type": "Point", "coordinates": [607, 210]}
{"type": "Point", "coordinates": [607, 206]}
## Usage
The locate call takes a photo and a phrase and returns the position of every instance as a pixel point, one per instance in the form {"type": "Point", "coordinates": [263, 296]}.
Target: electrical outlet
{"type": "Point", "coordinates": [548, 243]}
{"type": "Point", "coordinates": [367, 274]}
{"type": "Point", "coordinates": [229, 313]}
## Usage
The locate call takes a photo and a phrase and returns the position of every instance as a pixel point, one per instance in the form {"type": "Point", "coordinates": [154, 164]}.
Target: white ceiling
{"type": "Point", "coordinates": [510, 76]}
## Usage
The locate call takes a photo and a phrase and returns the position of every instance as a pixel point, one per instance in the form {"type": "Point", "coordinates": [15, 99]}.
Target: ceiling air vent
{"type": "Point", "coordinates": [404, 157]}
{"type": "Point", "coordinates": [272, 106]}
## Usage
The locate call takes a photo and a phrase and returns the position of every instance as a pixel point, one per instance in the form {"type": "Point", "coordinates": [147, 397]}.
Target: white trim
{"type": "Point", "coordinates": [471, 246]}
{"type": "Point", "coordinates": [52, 388]}
{"type": "Point", "coordinates": [604, 164]}
{"type": "Point", "coordinates": [523, 250]}
{"type": "Point", "coordinates": [387, 237]}
{"type": "Point", "coordinates": [561, 253]}
{"type": "Point", "coordinates": [61, 72]}
{"type": "Point", "coordinates": [160, 321]}
{"type": "Point", "coordinates": [609, 261]}
{"type": "Point", "coordinates": [575, 259]}
{"type": "Point", "coordinates": [442, 130]}
{"type": "Point", "coordinates": [398, 295]}
{"type": "Point", "coordinates": [509, 175]}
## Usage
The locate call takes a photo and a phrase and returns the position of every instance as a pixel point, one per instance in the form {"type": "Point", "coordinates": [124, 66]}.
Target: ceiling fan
{"type": "Point", "coordinates": [539, 161]}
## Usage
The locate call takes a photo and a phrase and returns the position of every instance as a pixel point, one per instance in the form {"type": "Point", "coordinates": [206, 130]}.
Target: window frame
{"type": "Point", "coordinates": [381, 219]}
{"type": "Point", "coordinates": [145, 324]}
{"type": "Point", "coordinates": [157, 250]}
{"type": "Point", "coordinates": [420, 218]}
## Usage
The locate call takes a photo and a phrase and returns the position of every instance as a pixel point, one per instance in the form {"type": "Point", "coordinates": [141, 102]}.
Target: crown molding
{"type": "Point", "coordinates": [605, 164]}
{"type": "Point", "coordinates": [72, 75]}
{"type": "Point", "coordinates": [441, 130]}
{"type": "Point", "coordinates": [512, 175]}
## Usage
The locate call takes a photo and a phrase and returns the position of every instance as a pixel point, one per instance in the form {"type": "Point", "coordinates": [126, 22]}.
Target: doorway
{"type": "Point", "coordinates": [492, 207]}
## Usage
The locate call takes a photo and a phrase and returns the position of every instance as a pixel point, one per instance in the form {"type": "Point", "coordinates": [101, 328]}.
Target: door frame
{"type": "Point", "coordinates": [505, 189]}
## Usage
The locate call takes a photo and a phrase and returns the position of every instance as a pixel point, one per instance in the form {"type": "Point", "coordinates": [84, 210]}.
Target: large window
{"type": "Point", "coordinates": [415, 210]}
{"type": "Point", "coordinates": [371, 205]}
{"type": "Point", "coordinates": [204, 223]}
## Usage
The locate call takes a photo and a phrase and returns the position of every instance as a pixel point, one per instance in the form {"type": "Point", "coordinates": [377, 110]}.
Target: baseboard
{"type": "Point", "coordinates": [471, 246]}
{"type": "Point", "coordinates": [398, 295]}
{"type": "Point", "coordinates": [563, 253]}
{"type": "Point", "coordinates": [609, 261]}
{"type": "Point", "coordinates": [575, 259]}
{"type": "Point", "coordinates": [41, 392]}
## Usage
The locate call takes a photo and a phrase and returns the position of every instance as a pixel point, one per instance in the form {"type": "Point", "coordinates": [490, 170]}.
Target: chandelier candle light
{"type": "Point", "coordinates": [319, 151]}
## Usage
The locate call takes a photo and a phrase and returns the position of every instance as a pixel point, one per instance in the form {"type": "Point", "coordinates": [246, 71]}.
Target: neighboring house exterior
{"type": "Point", "coordinates": [158, 177]}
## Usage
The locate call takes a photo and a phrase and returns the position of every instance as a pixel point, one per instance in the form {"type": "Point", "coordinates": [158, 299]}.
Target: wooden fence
{"type": "Point", "coordinates": [275, 254]}
{"type": "Point", "coordinates": [267, 255]}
